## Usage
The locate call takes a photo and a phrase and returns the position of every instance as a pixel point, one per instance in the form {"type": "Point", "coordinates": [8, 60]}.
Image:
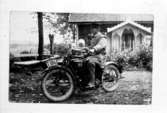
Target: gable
{"type": "Point", "coordinates": [141, 27]}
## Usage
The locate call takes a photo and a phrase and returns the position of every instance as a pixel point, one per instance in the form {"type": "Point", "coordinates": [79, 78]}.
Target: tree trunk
{"type": "Point", "coordinates": [51, 38]}
{"type": "Point", "coordinates": [40, 32]}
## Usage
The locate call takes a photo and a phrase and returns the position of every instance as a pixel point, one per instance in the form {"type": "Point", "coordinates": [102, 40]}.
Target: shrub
{"type": "Point", "coordinates": [148, 66]}
{"type": "Point", "coordinates": [133, 61]}
{"type": "Point", "coordinates": [25, 52]}
{"type": "Point", "coordinates": [139, 58]}
{"type": "Point", "coordinates": [121, 58]}
{"type": "Point", "coordinates": [145, 57]}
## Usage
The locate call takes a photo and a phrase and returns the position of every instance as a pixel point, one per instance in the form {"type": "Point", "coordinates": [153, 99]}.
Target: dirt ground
{"type": "Point", "coordinates": [135, 87]}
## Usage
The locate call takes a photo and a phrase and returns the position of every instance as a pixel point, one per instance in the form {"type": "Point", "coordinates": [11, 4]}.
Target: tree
{"type": "Point", "coordinates": [58, 23]}
{"type": "Point", "coordinates": [55, 22]}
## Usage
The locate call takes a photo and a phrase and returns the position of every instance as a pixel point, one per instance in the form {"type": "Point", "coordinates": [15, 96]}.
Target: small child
{"type": "Point", "coordinates": [81, 43]}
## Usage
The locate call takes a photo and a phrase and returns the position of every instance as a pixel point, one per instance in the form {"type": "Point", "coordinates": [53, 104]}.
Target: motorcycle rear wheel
{"type": "Point", "coordinates": [110, 77]}
{"type": "Point", "coordinates": [58, 85]}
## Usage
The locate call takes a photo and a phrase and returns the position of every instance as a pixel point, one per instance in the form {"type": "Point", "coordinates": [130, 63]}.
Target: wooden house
{"type": "Point", "coordinates": [124, 31]}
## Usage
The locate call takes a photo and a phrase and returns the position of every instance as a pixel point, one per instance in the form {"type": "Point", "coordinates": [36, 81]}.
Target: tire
{"type": "Point", "coordinates": [60, 77]}
{"type": "Point", "coordinates": [110, 77]}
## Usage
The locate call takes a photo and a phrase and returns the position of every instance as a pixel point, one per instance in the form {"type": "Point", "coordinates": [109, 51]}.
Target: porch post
{"type": "Point", "coordinates": [120, 43]}
{"type": "Point", "coordinates": [77, 33]}
{"type": "Point", "coordinates": [40, 32]}
{"type": "Point", "coordinates": [73, 31]}
{"type": "Point", "coordinates": [110, 44]}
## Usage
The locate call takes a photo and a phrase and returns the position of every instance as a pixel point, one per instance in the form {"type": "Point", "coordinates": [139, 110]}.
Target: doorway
{"type": "Point", "coordinates": [127, 39]}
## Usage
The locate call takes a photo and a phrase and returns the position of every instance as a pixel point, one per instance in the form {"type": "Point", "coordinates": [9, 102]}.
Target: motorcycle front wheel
{"type": "Point", "coordinates": [58, 85]}
{"type": "Point", "coordinates": [110, 77]}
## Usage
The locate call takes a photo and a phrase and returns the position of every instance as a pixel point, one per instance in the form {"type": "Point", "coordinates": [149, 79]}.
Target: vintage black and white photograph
{"type": "Point", "coordinates": [80, 58]}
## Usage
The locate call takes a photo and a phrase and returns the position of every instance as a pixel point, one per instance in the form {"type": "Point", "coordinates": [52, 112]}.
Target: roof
{"type": "Point", "coordinates": [148, 30]}
{"type": "Point", "coordinates": [95, 17]}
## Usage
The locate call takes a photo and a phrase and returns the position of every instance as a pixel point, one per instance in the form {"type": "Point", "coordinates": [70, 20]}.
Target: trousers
{"type": "Point", "coordinates": [92, 61]}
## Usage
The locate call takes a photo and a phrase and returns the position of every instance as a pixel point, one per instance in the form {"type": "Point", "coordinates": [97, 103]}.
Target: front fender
{"type": "Point", "coordinates": [120, 68]}
{"type": "Point", "coordinates": [47, 70]}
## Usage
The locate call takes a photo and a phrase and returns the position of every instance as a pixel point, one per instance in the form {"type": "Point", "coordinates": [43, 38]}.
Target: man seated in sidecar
{"type": "Point", "coordinates": [98, 48]}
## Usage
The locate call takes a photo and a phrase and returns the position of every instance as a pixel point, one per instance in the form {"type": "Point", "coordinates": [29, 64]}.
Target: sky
{"type": "Point", "coordinates": [24, 27]}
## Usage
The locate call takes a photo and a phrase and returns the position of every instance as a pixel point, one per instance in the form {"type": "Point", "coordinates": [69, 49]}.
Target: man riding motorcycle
{"type": "Point", "coordinates": [72, 72]}
{"type": "Point", "coordinates": [98, 47]}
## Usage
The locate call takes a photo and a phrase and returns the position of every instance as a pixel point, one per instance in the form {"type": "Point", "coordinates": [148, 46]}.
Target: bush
{"type": "Point", "coordinates": [139, 58]}
{"type": "Point", "coordinates": [121, 58]}
{"type": "Point", "coordinates": [145, 57]}
{"type": "Point", "coordinates": [25, 52]}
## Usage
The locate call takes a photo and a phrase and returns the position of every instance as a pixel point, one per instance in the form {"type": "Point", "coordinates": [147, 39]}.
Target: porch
{"type": "Point", "coordinates": [127, 36]}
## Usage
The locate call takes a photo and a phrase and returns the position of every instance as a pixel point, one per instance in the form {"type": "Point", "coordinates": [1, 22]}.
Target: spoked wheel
{"type": "Point", "coordinates": [58, 85]}
{"type": "Point", "coordinates": [110, 78]}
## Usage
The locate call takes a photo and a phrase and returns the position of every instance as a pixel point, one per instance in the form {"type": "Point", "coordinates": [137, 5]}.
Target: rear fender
{"type": "Point", "coordinates": [115, 64]}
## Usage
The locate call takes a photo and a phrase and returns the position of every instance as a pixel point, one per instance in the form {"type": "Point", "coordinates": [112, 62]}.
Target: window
{"type": "Point", "coordinates": [115, 42]}
{"type": "Point", "coordinates": [140, 38]}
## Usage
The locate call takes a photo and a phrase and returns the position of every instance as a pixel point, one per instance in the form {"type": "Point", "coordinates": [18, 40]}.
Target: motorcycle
{"type": "Point", "coordinates": [71, 72]}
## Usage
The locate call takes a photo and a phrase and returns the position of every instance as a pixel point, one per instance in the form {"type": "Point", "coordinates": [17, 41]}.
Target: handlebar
{"type": "Point", "coordinates": [84, 52]}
